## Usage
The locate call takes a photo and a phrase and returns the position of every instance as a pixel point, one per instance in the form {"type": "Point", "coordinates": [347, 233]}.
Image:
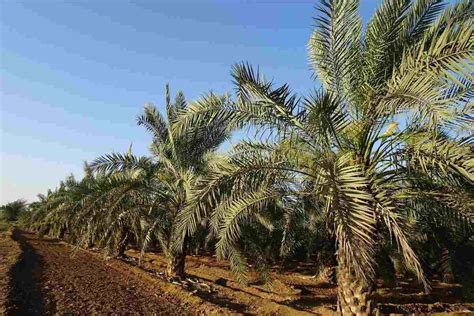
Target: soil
{"type": "Point", "coordinates": [48, 276]}
{"type": "Point", "coordinates": [48, 280]}
{"type": "Point", "coordinates": [290, 293]}
{"type": "Point", "coordinates": [296, 290]}
{"type": "Point", "coordinates": [9, 255]}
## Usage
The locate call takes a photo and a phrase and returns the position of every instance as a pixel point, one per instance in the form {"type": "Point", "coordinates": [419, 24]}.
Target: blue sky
{"type": "Point", "coordinates": [73, 76]}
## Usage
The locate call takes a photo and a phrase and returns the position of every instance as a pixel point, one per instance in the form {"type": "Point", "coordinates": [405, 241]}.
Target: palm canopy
{"type": "Point", "coordinates": [388, 122]}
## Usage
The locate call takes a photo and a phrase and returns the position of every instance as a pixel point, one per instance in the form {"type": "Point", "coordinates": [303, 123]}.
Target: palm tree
{"type": "Point", "coordinates": [11, 211]}
{"type": "Point", "coordinates": [52, 213]}
{"type": "Point", "coordinates": [440, 230]}
{"type": "Point", "coordinates": [154, 190]}
{"type": "Point", "coordinates": [395, 97]}
{"type": "Point", "coordinates": [105, 211]}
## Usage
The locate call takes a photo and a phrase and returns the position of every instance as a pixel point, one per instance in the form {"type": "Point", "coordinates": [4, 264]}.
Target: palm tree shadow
{"type": "Point", "coordinates": [24, 294]}
{"type": "Point", "coordinates": [223, 301]}
{"type": "Point", "coordinates": [309, 300]}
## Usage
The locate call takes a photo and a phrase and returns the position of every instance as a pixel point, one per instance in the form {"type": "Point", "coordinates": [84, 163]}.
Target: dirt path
{"type": "Point", "coordinates": [48, 280]}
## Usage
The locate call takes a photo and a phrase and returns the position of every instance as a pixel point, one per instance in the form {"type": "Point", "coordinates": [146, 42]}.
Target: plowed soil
{"type": "Point", "coordinates": [9, 255]}
{"type": "Point", "coordinates": [49, 280]}
{"type": "Point", "coordinates": [296, 291]}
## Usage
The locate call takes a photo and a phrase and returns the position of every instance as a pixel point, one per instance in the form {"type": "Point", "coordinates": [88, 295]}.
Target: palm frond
{"type": "Point", "coordinates": [230, 216]}
{"type": "Point", "coordinates": [381, 41]}
{"type": "Point", "coordinates": [119, 162]}
{"type": "Point", "coordinates": [259, 102]}
{"type": "Point", "coordinates": [335, 45]}
{"type": "Point", "coordinates": [419, 18]}
{"type": "Point", "coordinates": [154, 122]}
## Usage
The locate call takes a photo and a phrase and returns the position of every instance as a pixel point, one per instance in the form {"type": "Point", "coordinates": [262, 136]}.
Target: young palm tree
{"type": "Point", "coordinates": [358, 148]}
{"type": "Point", "coordinates": [101, 217]}
{"type": "Point", "coordinates": [155, 190]}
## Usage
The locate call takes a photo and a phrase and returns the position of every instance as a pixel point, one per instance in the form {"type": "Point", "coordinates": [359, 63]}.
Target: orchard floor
{"type": "Point", "coordinates": [48, 276]}
{"type": "Point", "coordinates": [46, 279]}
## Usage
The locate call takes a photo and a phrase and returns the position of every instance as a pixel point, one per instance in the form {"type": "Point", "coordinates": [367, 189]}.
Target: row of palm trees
{"type": "Point", "coordinates": [379, 157]}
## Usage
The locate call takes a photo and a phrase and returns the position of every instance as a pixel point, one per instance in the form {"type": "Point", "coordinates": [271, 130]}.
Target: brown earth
{"type": "Point", "coordinates": [48, 280]}
{"type": "Point", "coordinates": [296, 291]}
{"type": "Point", "coordinates": [290, 293]}
{"type": "Point", "coordinates": [47, 276]}
{"type": "Point", "coordinates": [9, 255]}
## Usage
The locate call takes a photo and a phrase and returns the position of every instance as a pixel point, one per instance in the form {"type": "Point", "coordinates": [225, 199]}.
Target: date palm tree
{"type": "Point", "coordinates": [154, 190]}
{"type": "Point", "coordinates": [394, 103]}
{"type": "Point", "coordinates": [99, 211]}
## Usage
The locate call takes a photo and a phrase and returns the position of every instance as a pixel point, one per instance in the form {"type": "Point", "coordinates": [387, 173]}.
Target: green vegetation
{"type": "Point", "coordinates": [4, 226]}
{"type": "Point", "coordinates": [12, 212]}
{"type": "Point", "coordinates": [373, 170]}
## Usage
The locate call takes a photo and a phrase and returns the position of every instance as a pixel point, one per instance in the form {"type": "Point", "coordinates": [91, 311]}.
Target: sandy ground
{"type": "Point", "coordinates": [45, 276]}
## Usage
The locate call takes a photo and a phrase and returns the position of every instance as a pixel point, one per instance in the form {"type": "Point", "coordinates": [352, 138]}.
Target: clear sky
{"type": "Point", "coordinates": [75, 74]}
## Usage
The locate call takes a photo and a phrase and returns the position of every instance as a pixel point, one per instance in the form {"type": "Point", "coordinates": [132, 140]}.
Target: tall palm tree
{"type": "Point", "coordinates": [155, 189]}
{"type": "Point", "coordinates": [395, 98]}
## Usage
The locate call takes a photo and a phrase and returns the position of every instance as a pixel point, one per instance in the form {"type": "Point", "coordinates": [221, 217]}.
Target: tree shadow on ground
{"type": "Point", "coordinates": [223, 301]}
{"type": "Point", "coordinates": [24, 296]}
{"type": "Point", "coordinates": [213, 298]}
{"type": "Point", "coordinates": [309, 299]}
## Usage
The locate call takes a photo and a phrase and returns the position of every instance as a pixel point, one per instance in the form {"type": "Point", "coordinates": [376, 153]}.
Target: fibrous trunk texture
{"type": "Point", "coordinates": [176, 261]}
{"type": "Point", "coordinates": [122, 246]}
{"type": "Point", "coordinates": [446, 266]}
{"type": "Point", "coordinates": [398, 265]}
{"type": "Point", "coordinates": [355, 296]}
{"type": "Point", "coordinates": [62, 232]}
{"type": "Point", "coordinates": [176, 264]}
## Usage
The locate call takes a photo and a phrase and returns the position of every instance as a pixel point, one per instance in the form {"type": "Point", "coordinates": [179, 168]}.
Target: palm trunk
{"type": "Point", "coordinates": [354, 295]}
{"type": "Point", "coordinates": [446, 266]}
{"type": "Point", "coordinates": [62, 232]}
{"type": "Point", "coordinates": [90, 243]}
{"type": "Point", "coordinates": [122, 246]}
{"type": "Point", "coordinates": [398, 265]}
{"type": "Point", "coordinates": [90, 240]}
{"type": "Point", "coordinates": [176, 265]}
{"type": "Point", "coordinates": [177, 261]}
